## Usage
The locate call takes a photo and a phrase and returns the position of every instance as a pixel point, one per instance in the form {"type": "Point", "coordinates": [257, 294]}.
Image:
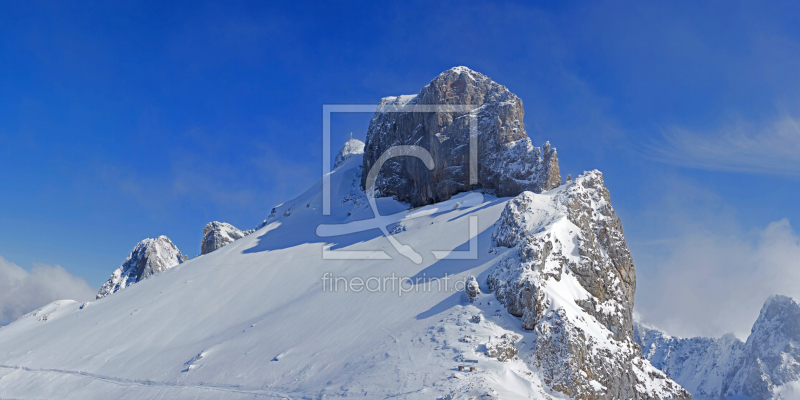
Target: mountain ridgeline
{"type": "Point", "coordinates": [546, 313]}
{"type": "Point", "coordinates": [566, 239]}
{"type": "Point", "coordinates": [153, 256]}
{"type": "Point", "coordinates": [766, 366]}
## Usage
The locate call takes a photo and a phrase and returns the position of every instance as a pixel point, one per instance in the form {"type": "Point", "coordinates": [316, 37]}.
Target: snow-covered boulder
{"type": "Point", "coordinates": [218, 234]}
{"type": "Point", "coordinates": [502, 348]}
{"type": "Point", "coordinates": [508, 163]}
{"type": "Point", "coordinates": [472, 288]}
{"type": "Point", "coordinates": [149, 257]}
{"type": "Point", "coordinates": [572, 281]}
{"type": "Point", "coordinates": [352, 148]}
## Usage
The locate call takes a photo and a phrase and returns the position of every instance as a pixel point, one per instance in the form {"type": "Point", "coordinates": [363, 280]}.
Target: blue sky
{"type": "Point", "coordinates": [120, 121]}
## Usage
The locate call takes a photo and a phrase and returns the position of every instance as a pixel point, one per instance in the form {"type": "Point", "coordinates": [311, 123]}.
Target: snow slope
{"type": "Point", "coordinates": [253, 320]}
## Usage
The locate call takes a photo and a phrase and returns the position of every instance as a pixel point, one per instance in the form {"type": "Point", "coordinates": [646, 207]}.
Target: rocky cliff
{"type": "Point", "coordinates": [218, 234]}
{"type": "Point", "coordinates": [572, 281]}
{"type": "Point", "coordinates": [149, 257]}
{"type": "Point", "coordinates": [508, 163]}
{"type": "Point", "coordinates": [767, 366]}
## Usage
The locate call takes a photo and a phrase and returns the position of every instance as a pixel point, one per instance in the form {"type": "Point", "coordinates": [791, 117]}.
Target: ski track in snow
{"type": "Point", "coordinates": [256, 392]}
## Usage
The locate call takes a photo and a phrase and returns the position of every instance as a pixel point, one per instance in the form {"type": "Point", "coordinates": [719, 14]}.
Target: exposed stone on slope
{"type": "Point", "coordinates": [605, 267]}
{"type": "Point", "coordinates": [218, 234]}
{"type": "Point", "coordinates": [472, 288]}
{"type": "Point", "coordinates": [508, 163]}
{"type": "Point", "coordinates": [572, 281]}
{"type": "Point", "coordinates": [352, 148]}
{"type": "Point", "coordinates": [502, 348]}
{"type": "Point", "coordinates": [149, 257]}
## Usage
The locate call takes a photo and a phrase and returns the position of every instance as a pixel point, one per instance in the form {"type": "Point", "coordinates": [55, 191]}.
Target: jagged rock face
{"type": "Point", "coordinates": [605, 267]}
{"type": "Point", "coordinates": [352, 148]}
{"type": "Point", "coordinates": [218, 234]}
{"type": "Point", "coordinates": [771, 358]}
{"type": "Point", "coordinates": [762, 368]}
{"type": "Point", "coordinates": [508, 163]}
{"type": "Point", "coordinates": [572, 281]}
{"type": "Point", "coordinates": [149, 257]}
{"type": "Point", "coordinates": [703, 366]}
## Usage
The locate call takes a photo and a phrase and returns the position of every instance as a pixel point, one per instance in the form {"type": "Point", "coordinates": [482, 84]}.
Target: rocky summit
{"type": "Point", "coordinates": [508, 163]}
{"type": "Point", "coordinates": [351, 149]}
{"type": "Point", "coordinates": [218, 234]}
{"type": "Point", "coordinates": [572, 281]}
{"type": "Point", "coordinates": [149, 257]}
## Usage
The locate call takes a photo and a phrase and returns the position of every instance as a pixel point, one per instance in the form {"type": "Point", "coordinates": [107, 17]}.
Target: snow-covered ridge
{"type": "Point", "coordinates": [767, 366]}
{"type": "Point", "coordinates": [251, 320]}
{"type": "Point", "coordinates": [571, 280]}
{"type": "Point", "coordinates": [149, 257]}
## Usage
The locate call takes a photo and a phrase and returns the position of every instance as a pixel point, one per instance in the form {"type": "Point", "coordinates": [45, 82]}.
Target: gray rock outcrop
{"type": "Point", "coordinates": [218, 234]}
{"type": "Point", "coordinates": [503, 348]}
{"type": "Point", "coordinates": [508, 163]}
{"type": "Point", "coordinates": [149, 257]}
{"type": "Point", "coordinates": [571, 279]}
{"type": "Point", "coordinates": [472, 288]}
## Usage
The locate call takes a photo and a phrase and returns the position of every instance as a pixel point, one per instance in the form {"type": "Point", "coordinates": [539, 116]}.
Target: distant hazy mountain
{"type": "Point", "coordinates": [767, 366]}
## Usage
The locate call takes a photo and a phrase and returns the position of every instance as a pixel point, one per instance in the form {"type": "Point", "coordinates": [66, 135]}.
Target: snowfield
{"type": "Point", "coordinates": [254, 319]}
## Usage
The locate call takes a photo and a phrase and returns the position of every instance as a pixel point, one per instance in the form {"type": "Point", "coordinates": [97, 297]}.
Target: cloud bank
{"type": "Point", "coordinates": [704, 274]}
{"type": "Point", "coordinates": [22, 292]}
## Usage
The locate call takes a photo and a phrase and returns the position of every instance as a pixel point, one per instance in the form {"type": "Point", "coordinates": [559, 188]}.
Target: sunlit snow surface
{"type": "Point", "coordinates": [251, 320]}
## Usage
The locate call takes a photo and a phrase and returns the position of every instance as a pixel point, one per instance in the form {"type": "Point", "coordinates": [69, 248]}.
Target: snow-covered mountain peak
{"type": "Point", "coordinates": [352, 148]}
{"type": "Point", "coordinates": [293, 310]}
{"type": "Point", "coordinates": [779, 313]}
{"type": "Point", "coordinates": [771, 362]}
{"type": "Point", "coordinates": [218, 234]}
{"type": "Point", "coordinates": [767, 366]}
{"type": "Point", "coordinates": [149, 257]}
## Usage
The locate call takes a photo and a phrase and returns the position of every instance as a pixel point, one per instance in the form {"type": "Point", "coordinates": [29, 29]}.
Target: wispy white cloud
{"type": "Point", "coordinates": [772, 147]}
{"type": "Point", "coordinates": [22, 291]}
